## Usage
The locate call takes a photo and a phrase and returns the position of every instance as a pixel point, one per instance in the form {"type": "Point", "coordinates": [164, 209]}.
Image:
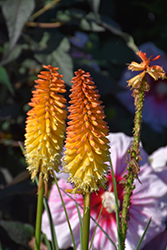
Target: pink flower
{"type": "Point", "coordinates": [145, 203]}
{"type": "Point", "coordinates": [158, 161]}
{"type": "Point", "coordinates": [159, 242]}
{"type": "Point", "coordinates": [155, 105]}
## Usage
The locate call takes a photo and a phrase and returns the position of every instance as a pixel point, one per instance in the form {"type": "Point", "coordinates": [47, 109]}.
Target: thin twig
{"type": "Point", "coordinates": [44, 9]}
{"type": "Point", "coordinates": [44, 25]}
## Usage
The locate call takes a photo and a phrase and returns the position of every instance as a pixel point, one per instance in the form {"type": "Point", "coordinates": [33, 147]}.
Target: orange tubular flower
{"type": "Point", "coordinates": [154, 71]}
{"type": "Point", "coordinates": [86, 143]}
{"type": "Point", "coordinates": [45, 124]}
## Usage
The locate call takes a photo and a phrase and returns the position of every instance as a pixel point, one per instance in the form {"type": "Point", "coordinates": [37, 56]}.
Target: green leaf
{"type": "Point", "coordinates": [12, 55]}
{"type": "Point", "coordinates": [18, 232]}
{"type": "Point", "coordinates": [116, 205]}
{"type": "Point", "coordinates": [81, 225]}
{"type": "Point", "coordinates": [16, 14]}
{"type": "Point", "coordinates": [96, 227]}
{"type": "Point", "coordinates": [141, 240]}
{"type": "Point", "coordinates": [64, 62]}
{"type": "Point", "coordinates": [52, 229]}
{"type": "Point", "coordinates": [64, 45]}
{"type": "Point", "coordinates": [89, 23]}
{"type": "Point", "coordinates": [118, 32]}
{"type": "Point", "coordinates": [47, 243]}
{"type": "Point", "coordinates": [59, 58]}
{"type": "Point", "coordinates": [1, 246]}
{"type": "Point", "coordinates": [53, 233]}
{"type": "Point", "coordinates": [4, 79]}
{"type": "Point", "coordinates": [65, 211]}
{"type": "Point", "coordinates": [95, 4]}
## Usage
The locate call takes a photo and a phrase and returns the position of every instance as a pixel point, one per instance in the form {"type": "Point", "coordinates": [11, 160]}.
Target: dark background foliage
{"type": "Point", "coordinates": [25, 46]}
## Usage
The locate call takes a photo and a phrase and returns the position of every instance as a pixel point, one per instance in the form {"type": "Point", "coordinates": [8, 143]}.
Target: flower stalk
{"type": "Point", "coordinates": [139, 85]}
{"type": "Point", "coordinates": [133, 165]}
{"type": "Point", "coordinates": [86, 220]}
{"type": "Point", "coordinates": [39, 212]}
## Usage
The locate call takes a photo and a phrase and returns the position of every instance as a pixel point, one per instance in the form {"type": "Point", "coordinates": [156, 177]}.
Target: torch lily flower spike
{"type": "Point", "coordinates": [86, 147]}
{"type": "Point", "coordinates": [45, 124]}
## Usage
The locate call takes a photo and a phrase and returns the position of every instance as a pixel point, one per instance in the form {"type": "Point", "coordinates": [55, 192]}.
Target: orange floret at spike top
{"type": "Point", "coordinates": [86, 145]}
{"type": "Point", "coordinates": [45, 124]}
{"type": "Point", "coordinates": [155, 71]}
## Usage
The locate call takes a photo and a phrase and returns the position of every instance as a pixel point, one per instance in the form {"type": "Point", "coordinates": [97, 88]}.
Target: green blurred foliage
{"type": "Point", "coordinates": [113, 29]}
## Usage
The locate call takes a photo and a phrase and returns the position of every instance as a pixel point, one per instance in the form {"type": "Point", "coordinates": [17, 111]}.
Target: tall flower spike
{"type": "Point", "coordinates": [45, 124]}
{"type": "Point", "coordinates": [86, 147]}
{"type": "Point", "coordinates": [139, 85]}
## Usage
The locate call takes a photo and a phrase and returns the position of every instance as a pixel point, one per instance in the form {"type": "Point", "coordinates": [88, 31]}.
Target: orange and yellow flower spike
{"type": "Point", "coordinates": [86, 147]}
{"type": "Point", "coordinates": [45, 124]}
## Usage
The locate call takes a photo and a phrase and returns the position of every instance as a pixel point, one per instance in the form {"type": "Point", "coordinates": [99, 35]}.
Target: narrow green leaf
{"type": "Point", "coordinates": [140, 241]}
{"type": "Point", "coordinates": [52, 229]}
{"type": "Point", "coordinates": [9, 56]}
{"type": "Point", "coordinates": [4, 79]}
{"type": "Point", "coordinates": [92, 220]}
{"type": "Point", "coordinates": [47, 243]}
{"type": "Point", "coordinates": [96, 227]}
{"type": "Point", "coordinates": [112, 242]}
{"type": "Point", "coordinates": [1, 246]}
{"type": "Point", "coordinates": [81, 225]}
{"type": "Point", "coordinates": [72, 236]}
{"type": "Point", "coordinates": [95, 4]}
{"type": "Point", "coordinates": [117, 206]}
{"type": "Point", "coordinates": [16, 14]}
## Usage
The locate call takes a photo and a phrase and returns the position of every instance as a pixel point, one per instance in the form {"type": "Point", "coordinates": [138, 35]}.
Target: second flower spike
{"type": "Point", "coordinates": [86, 147]}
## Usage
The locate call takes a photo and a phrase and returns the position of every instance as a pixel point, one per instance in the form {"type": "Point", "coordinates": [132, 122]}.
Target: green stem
{"type": "Point", "coordinates": [125, 207]}
{"type": "Point", "coordinates": [133, 165]}
{"type": "Point", "coordinates": [39, 212]}
{"type": "Point", "coordinates": [86, 220]}
{"type": "Point", "coordinates": [117, 207]}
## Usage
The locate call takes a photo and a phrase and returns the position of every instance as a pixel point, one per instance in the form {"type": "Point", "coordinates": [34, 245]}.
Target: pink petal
{"type": "Point", "coordinates": [159, 242]}
{"type": "Point", "coordinates": [146, 202]}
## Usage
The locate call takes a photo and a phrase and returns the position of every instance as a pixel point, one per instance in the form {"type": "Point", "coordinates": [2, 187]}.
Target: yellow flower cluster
{"type": "Point", "coordinates": [86, 147]}
{"type": "Point", "coordinates": [45, 124]}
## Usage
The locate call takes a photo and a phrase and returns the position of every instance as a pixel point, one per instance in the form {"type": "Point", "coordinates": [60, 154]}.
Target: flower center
{"type": "Point", "coordinates": [108, 199]}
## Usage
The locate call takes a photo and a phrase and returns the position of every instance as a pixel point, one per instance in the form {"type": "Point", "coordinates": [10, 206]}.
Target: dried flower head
{"type": "Point", "coordinates": [45, 124]}
{"type": "Point", "coordinates": [86, 144]}
{"type": "Point", "coordinates": [154, 71]}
